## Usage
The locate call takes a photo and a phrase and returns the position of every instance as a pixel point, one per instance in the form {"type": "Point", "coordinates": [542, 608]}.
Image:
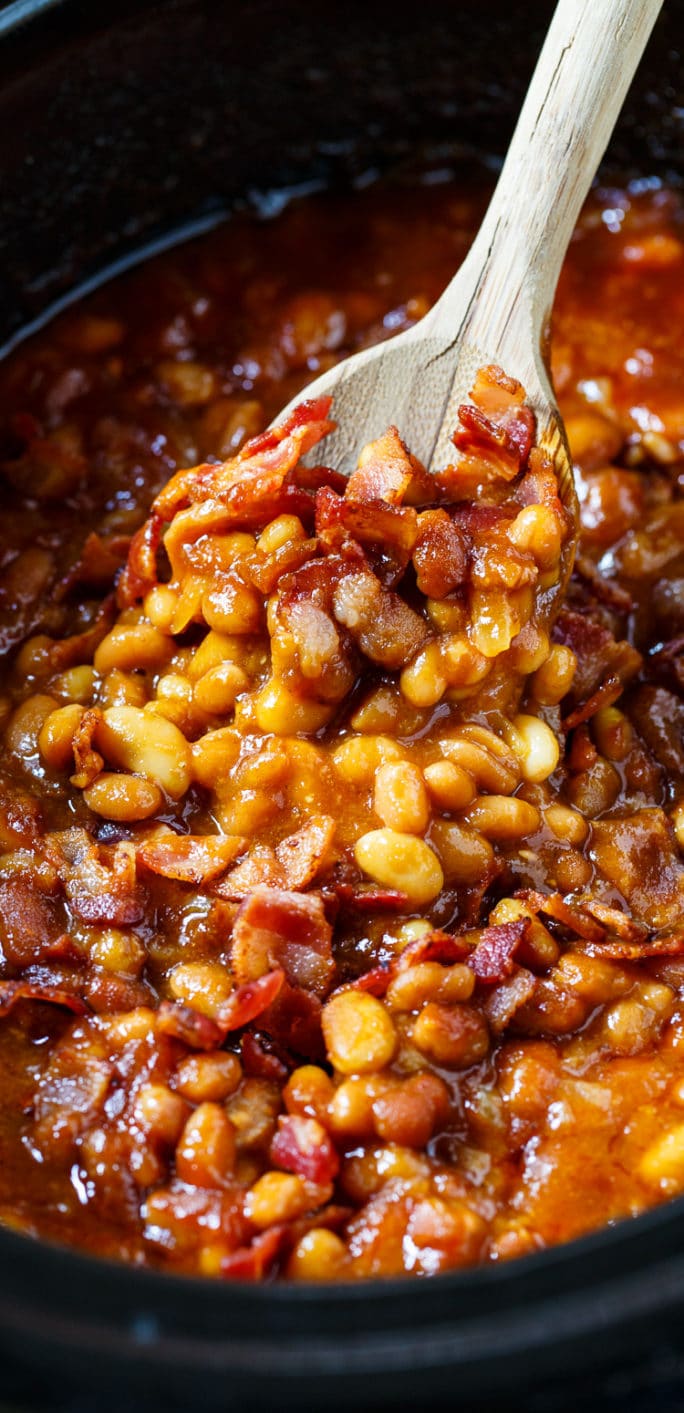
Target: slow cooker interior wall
{"type": "Point", "coordinates": [182, 107]}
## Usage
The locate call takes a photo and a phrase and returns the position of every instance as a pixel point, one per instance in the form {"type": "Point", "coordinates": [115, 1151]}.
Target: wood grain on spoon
{"type": "Point", "coordinates": [497, 308]}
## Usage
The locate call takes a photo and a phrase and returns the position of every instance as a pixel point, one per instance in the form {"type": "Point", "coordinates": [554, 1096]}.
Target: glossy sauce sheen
{"type": "Point", "coordinates": [478, 1130]}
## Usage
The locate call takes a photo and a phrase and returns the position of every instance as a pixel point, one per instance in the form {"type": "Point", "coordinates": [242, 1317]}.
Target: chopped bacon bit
{"type": "Point", "coordinates": [493, 957]}
{"type": "Point", "coordinates": [267, 569]}
{"type": "Point", "coordinates": [302, 1146]}
{"type": "Point", "coordinates": [250, 1000]}
{"type": "Point", "coordinates": [259, 869]}
{"type": "Point", "coordinates": [385, 471]}
{"type": "Point", "coordinates": [99, 881]}
{"type": "Point", "coordinates": [598, 654]}
{"type": "Point", "coordinates": [293, 1020]}
{"type": "Point", "coordinates": [254, 1262]}
{"type": "Point", "coordinates": [28, 923]}
{"type": "Point", "coordinates": [13, 991]}
{"type": "Point", "coordinates": [190, 858]}
{"type": "Point", "coordinates": [140, 572]}
{"type": "Point", "coordinates": [385, 628]}
{"type": "Point", "coordinates": [375, 981]}
{"type": "Point", "coordinates": [616, 921]}
{"type": "Point", "coordinates": [370, 522]}
{"type": "Point", "coordinates": [186, 1024]}
{"type": "Point", "coordinates": [507, 998]}
{"type": "Point", "coordinates": [443, 947]}
{"type": "Point", "coordinates": [440, 555]}
{"type": "Point", "coordinates": [309, 852]}
{"type": "Point", "coordinates": [261, 1058]}
{"type": "Point", "coordinates": [608, 692]}
{"type": "Point", "coordinates": [69, 652]}
{"type": "Point", "coordinates": [100, 560]}
{"type": "Point", "coordinates": [367, 897]}
{"type": "Point", "coordinates": [88, 761]}
{"type": "Point", "coordinates": [569, 914]}
{"type": "Point", "coordinates": [277, 928]}
{"type": "Point", "coordinates": [496, 430]}
{"type": "Point", "coordinates": [623, 950]}
{"type": "Point", "coordinates": [639, 855]}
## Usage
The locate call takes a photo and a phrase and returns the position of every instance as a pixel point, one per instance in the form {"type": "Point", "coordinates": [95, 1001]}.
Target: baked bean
{"type": "Point", "coordinates": [146, 745]}
{"type": "Point", "coordinates": [454, 1037]}
{"type": "Point", "coordinates": [358, 1032]}
{"type": "Point", "coordinates": [278, 1197]}
{"type": "Point", "coordinates": [503, 817]}
{"type": "Point", "coordinates": [56, 736]}
{"type": "Point", "coordinates": [209, 1076]}
{"type": "Point", "coordinates": [400, 797]}
{"type": "Point", "coordinates": [123, 797]}
{"type": "Point", "coordinates": [401, 861]}
{"type": "Point", "coordinates": [135, 647]}
{"type": "Point", "coordinates": [205, 1155]}
{"type": "Point", "coordinates": [449, 785]}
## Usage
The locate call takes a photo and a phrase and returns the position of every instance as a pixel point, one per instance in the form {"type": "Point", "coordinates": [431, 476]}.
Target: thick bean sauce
{"type": "Point", "coordinates": [341, 893]}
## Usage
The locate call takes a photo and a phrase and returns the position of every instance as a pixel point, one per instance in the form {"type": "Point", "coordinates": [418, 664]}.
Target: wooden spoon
{"type": "Point", "coordinates": [497, 308]}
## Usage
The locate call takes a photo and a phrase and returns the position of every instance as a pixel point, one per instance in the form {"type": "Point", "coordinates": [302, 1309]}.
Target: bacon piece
{"type": "Point", "coordinates": [266, 570]}
{"type": "Point", "coordinates": [261, 1058]}
{"type": "Point", "coordinates": [385, 628]}
{"type": "Point", "coordinates": [190, 858]}
{"type": "Point", "coordinates": [385, 471]}
{"type": "Point", "coordinates": [259, 869]}
{"type": "Point", "coordinates": [570, 915]}
{"type": "Point", "coordinates": [495, 432]}
{"type": "Point", "coordinates": [436, 946]}
{"type": "Point", "coordinates": [308, 852]}
{"type": "Point", "coordinates": [639, 855]}
{"type": "Point", "coordinates": [254, 1262]}
{"type": "Point", "coordinates": [376, 981]}
{"type": "Point", "coordinates": [293, 1020]}
{"type": "Point", "coordinates": [597, 652]}
{"type": "Point", "coordinates": [440, 555]}
{"type": "Point", "coordinates": [186, 1024]}
{"type": "Point", "coordinates": [28, 924]}
{"type": "Point", "coordinates": [100, 882]}
{"type": "Point", "coordinates": [659, 718]}
{"type": "Point", "coordinates": [310, 648]}
{"type": "Point", "coordinates": [616, 921]}
{"type": "Point", "coordinates": [58, 655]}
{"type": "Point", "coordinates": [140, 572]}
{"type": "Point", "coordinates": [70, 1098]}
{"type": "Point", "coordinates": [278, 928]}
{"type": "Point", "coordinates": [88, 761]}
{"type": "Point", "coordinates": [100, 559]}
{"type": "Point", "coordinates": [619, 949]}
{"type": "Point", "coordinates": [250, 1000]}
{"type": "Point", "coordinates": [609, 691]}
{"type": "Point", "coordinates": [507, 998]}
{"type": "Point", "coordinates": [368, 897]}
{"type": "Point", "coordinates": [493, 957]}
{"type": "Point", "coordinates": [302, 1146]}
{"type": "Point", "coordinates": [13, 991]}
{"type": "Point", "coordinates": [369, 521]}
{"type": "Point", "coordinates": [258, 470]}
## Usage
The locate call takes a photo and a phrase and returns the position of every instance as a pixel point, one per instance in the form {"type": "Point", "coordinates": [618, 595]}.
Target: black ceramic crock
{"type": "Point", "coordinates": [120, 124]}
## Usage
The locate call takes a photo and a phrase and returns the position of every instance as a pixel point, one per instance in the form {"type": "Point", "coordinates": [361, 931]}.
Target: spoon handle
{"type": "Point", "coordinates": [501, 299]}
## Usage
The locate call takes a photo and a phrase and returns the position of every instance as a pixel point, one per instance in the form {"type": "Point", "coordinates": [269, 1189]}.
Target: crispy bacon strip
{"type": "Point", "coordinates": [308, 852]}
{"type": "Point", "coordinates": [13, 991]}
{"type": "Point", "coordinates": [302, 1146]}
{"type": "Point", "coordinates": [493, 957]}
{"type": "Point", "coordinates": [278, 928]}
{"type": "Point", "coordinates": [190, 858]}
